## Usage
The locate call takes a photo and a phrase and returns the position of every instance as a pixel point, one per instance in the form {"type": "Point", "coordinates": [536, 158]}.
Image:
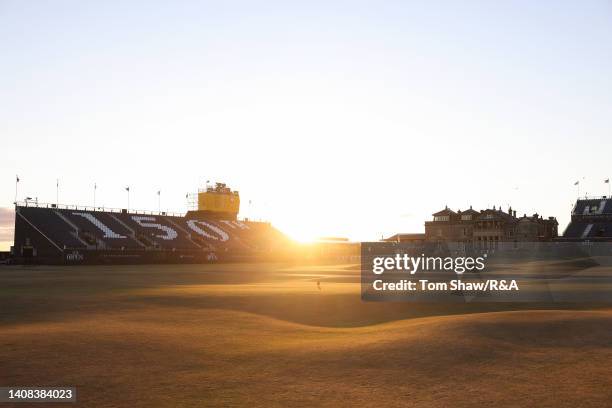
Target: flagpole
{"type": "Point", "coordinates": [57, 192]}
{"type": "Point", "coordinates": [95, 187]}
{"type": "Point", "coordinates": [16, 186]}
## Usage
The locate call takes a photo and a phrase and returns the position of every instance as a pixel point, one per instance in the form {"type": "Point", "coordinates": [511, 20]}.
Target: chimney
{"type": "Point", "coordinates": [514, 214]}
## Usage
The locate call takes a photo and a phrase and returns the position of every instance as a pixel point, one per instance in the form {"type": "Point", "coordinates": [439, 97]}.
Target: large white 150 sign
{"type": "Point", "coordinates": [169, 235]}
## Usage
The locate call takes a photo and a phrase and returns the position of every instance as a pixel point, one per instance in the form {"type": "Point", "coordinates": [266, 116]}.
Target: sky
{"type": "Point", "coordinates": [334, 118]}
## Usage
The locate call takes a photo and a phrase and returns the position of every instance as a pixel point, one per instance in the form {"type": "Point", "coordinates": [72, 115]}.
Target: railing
{"type": "Point", "coordinates": [599, 197]}
{"type": "Point", "coordinates": [34, 203]}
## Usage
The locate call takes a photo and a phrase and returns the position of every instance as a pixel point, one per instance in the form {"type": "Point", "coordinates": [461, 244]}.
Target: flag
{"type": "Point", "coordinates": [95, 186]}
{"type": "Point", "coordinates": [127, 189]}
{"type": "Point", "coordinates": [17, 179]}
{"type": "Point", "coordinates": [57, 183]}
{"type": "Point", "coordinates": [158, 192]}
{"type": "Point", "coordinates": [186, 195]}
{"type": "Point", "coordinates": [607, 181]}
{"type": "Point", "coordinates": [576, 183]}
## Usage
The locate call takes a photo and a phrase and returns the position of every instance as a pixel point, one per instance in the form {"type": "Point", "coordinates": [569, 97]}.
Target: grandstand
{"type": "Point", "coordinates": [591, 220]}
{"type": "Point", "coordinates": [48, 233]}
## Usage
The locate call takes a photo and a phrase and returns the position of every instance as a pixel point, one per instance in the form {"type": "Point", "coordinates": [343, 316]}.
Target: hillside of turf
{"type": "Point", "coordinates": [265, 335]}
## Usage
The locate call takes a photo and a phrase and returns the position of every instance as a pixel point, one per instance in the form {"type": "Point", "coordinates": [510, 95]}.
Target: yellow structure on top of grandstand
{"type": "Point", "coordinates": [219, 201]}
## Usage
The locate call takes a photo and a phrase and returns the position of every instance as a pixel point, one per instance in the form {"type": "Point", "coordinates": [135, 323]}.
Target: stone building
{"type": "Point", "coordinates": [487, 227]}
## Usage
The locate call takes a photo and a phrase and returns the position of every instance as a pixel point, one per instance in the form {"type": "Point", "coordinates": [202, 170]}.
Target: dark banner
{"type": "Point", "coordinates": [500, 272]}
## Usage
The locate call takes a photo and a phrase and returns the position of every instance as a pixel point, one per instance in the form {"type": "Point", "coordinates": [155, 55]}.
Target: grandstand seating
{"type": "Point", "coordinates": [107, 230]}
{"type": "Point", "coordinates": [600, 230]}
{"type": "Point", "coordinates": [258, 235]}
{"type": "Point", "coordinates": [591, 220]}
{"type": "Point", "coordinates": [219, 235]}
{"type": "Point", "coordinates": [575, 229]}
{"type": "Point", "coordinates": [52, 226]}
{"type": "Point", "coordinates": [160, 230]}
{"type": "Point", "coordinates": [124, 233]}
{"type": "Point", "coordinates": [600, 206]}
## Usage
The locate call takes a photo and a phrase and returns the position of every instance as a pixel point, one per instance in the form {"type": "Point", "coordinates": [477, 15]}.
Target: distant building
{"type": "Point", "coordinates": [412, 238]}
{"type": "Point", "coordinates": [591, 220]}
{"type": "Point", "coordinates": [486, 227]}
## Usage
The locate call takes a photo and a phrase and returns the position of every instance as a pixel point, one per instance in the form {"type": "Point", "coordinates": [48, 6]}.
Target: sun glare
{"type": "Point", "coordinates": [302, 234]}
